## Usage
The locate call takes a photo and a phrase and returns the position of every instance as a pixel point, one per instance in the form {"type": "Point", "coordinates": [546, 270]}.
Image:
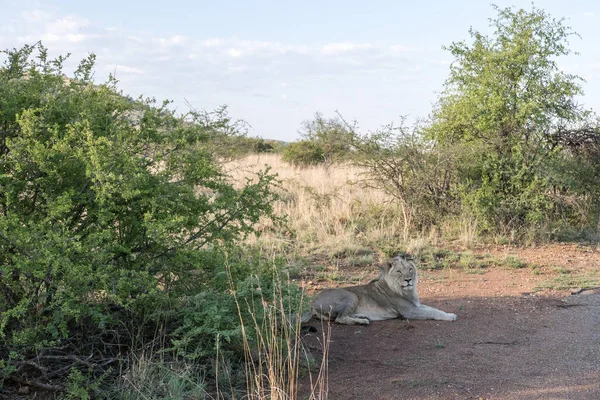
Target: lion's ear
{"type": "Point", "coordinates": [389, 266]}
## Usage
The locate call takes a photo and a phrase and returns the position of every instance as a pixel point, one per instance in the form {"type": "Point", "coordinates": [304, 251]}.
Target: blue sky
{"type": "Point", "coordinates": [276, 63]}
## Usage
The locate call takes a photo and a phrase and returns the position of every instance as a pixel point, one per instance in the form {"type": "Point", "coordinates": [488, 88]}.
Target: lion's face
{"type": "Point", "coordinates": [401, 273]}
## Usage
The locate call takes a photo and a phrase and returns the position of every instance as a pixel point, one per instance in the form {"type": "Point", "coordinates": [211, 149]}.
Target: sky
{"type": "Point", "coordinates": [276, 63]}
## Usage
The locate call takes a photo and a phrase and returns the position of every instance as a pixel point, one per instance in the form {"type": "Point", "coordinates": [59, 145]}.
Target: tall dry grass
{"type": "Point", "coordinates": [276, 358]}
{"type": "Point", "coordinates": [328, 210]}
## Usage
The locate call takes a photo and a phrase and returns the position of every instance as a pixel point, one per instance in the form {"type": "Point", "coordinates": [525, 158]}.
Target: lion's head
{"type": "Point", "coordinates": [400, 273]}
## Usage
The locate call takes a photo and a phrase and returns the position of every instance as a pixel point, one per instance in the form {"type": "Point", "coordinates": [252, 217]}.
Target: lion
{"type": "Point", "coordinates": [393, 295]}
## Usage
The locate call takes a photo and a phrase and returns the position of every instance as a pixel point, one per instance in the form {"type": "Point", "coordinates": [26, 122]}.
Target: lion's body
{"type": "Point", "coordinates": [393, 295]}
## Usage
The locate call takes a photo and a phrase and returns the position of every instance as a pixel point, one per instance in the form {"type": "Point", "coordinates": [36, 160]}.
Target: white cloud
{"type": "Point", "coordinates": [176, 40]}
{"type": "Point", "coordinates": [210, 71]}
{"type": "Point", "coordinates": [211, 42]}
{"type": "Point", "coordinates": [401, 49]}
{"type": "Point", "coordinates": [65, 25]}
{"type": "Point", "coordinates": [235, 53]}
{"type": "Point", "coordinates": [337, 48]}
{"type": "Point", "coordinates": [37, 24]}
{"type": "Point", "coordinates": [237, 68]}
{"type": "Point", "coordinates": [123, 69]}
{"type": "Point", "coordinates": [35, 16]}
{"type": "Point", "coordinates": [76, 37]}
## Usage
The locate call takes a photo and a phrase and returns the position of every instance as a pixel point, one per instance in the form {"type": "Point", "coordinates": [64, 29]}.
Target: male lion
{"type": "Point", "coordinates": [393, 295]}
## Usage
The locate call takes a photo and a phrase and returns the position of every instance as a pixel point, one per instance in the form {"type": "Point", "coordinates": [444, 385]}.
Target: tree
{"type": "Point", "coordinates": [326, 141]}
{"type": "Point", "coordinates": [303, 153]}
{"type": "Point", "coordinates": [331, 135]}
{"type": "Point", "coordinates": [259, 145]}
{"type": "Point", "coordinates": [507, 98]}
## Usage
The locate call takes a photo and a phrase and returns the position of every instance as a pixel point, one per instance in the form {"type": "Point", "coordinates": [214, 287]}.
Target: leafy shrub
{"type": "Point", "coordinates": [234, 146]}
{"type": "Point", "coordinates": [303, 153]}
{"type": "Point", "coordinates": [507, 98]}
{"type": "Point", "coordinates": [410, 170]}
{"type": "Point", "coordinates": [326, 141]}
{"type": "Point", "coordinates": [259, 145]}
{"type": "Point", "coordinates": [113, 211]}
{"type": "Point", "coordinates": [211, 319]}
{"type": "Point", "coordinates": [333, 135]}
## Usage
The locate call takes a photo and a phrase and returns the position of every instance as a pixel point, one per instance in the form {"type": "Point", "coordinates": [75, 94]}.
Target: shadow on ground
{"type": "Point", "coordinates": [527, 347]}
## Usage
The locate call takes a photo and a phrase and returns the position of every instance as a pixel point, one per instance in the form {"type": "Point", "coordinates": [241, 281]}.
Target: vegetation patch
{"type": "Point", "coordinates": [571, 282]}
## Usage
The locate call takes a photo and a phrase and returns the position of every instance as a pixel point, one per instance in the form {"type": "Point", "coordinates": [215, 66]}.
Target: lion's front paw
{"type": "Point", "coordinates": [451, 317]}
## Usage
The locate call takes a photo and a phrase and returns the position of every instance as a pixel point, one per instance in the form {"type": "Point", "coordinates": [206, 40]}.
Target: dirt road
{"type": "Point", "coordinates": [509, 342]}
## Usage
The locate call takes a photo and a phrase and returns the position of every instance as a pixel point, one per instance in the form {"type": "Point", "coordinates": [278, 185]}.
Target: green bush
{"type": "Point", "coordinates": [234, 146]}
{"type": "Point", "coordinates": [210, 320]}
{"type": "Point", "coordinates": [333, 136]}
{"type": "Point", "coordinates": [113, 212]}
{"type": "Point", "coordinates": [303, 153]}
{"type": "Point", "coordinates": [507, 99]}
{"type": "Point", "coordinates": [259, 145]}
{"type": "Point", "coordinates": [410, 170]}
{"type": "Point", "coordinates": [326, 141]}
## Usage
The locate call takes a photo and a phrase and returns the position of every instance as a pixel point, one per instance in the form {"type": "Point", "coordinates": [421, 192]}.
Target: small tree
{"type": "Point", "coordinates": [326, 141]}
{"type": "Point", "coordinates": [331, 135]}
{"type": "Point", "coordinates": [303, 153]}
{"type": "Point", "coordinates": [259, 145]}
{"type": "Point", "coordinates": [507, 97]}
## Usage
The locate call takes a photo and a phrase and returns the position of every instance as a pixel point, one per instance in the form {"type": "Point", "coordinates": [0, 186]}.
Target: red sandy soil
{"type": "Point", "coordinates": [512, 340]}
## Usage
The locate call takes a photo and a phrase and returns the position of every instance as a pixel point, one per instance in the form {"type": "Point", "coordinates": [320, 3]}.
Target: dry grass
{"type": "Point", "coordinates": [328, 211]}
{"type": "Point", "coordinates": [275, 362]}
